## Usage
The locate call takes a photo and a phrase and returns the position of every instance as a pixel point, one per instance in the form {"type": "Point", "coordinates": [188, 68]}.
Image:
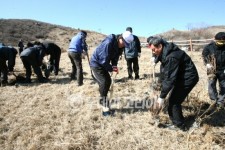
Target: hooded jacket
{"type": "Point", "coordinates": [78, 43]}
{"type": "Point", "coordinates": [133, 49]}
{"type": "Point", "coordinates": [178, 68]}
{"type": "Point", "coordinates": [106, 54]}
{"type": "Point", "coordinates": [218, 52]}
{"type": "Point", "coordinates": [8, 54]}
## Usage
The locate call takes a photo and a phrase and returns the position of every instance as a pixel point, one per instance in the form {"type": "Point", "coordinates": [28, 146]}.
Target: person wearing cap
{"type": "Point", "coordinates": [180, 76]}
{"type": "Point", "coordinates": [7, 54]}
{"type": "Point", "coordinates": [214, 58]}
{"type": "Point", "coordinates": [104, 60]}
{"type": "Point", "coordinates": [131, 54]}
{"type": "Point", "coordinates": [77, 46]}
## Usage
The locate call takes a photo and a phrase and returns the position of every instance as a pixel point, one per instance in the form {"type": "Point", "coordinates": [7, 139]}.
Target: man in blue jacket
{"type": "Point", "coordinates": [131, 55]}
{"type": "Point", "coordinates": [104, 60]}
{"type": "Point", "coordinates": [6, 54]}
{"type": "Point", "coordinates": [76, 47]}
{"type": "Point", "coordinates": [180, 76]}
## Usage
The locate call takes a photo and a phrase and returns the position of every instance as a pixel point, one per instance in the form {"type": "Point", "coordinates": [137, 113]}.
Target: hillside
{"type": "Point", "coordinates": [12, 30]}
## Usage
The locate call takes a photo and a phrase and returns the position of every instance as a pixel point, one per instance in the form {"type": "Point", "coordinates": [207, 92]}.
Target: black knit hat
{"type": "Point", "coordinates": [220, 36]}
{"type": "Point", "coordinates": [129, 29]}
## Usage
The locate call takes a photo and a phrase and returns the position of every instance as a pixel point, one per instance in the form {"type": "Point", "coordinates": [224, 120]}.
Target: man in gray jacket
{"type": "Point", "coordinates": [131, 55]}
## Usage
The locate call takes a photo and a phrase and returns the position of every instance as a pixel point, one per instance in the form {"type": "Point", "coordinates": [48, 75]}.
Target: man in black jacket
{"type": "Point", "coordinates": [180, 76]}
{"type": "Point", "coordinates": [33, 56]}
{"type": "Point", "coordinates": [214, 58]}
{"type": "Point", "coordinates": [55, 52]}
{"type": "Point", "coordinates": [6, 54]}
{"type": "Point", "coordinates": [131, 55]}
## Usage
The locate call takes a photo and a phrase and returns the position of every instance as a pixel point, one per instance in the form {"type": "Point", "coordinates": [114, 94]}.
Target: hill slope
{"type": "Point", "coordinates": [12, 30]}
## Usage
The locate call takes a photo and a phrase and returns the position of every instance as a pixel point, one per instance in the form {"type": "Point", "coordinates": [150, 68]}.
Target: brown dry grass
{"type": "Point", "coordinates": [60, 115]}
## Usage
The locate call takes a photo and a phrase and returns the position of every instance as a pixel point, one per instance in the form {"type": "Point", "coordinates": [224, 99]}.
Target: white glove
{"type": "Point", "coordinates": [153, 59]}
{"type": "Point", "coordinates": [159, 103]}
{"type": "Point", "coordinates": [139, 54]}
{"type": "Point", "coordinates": [209, 66]}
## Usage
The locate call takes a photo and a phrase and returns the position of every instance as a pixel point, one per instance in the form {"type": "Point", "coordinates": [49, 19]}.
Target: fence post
{"type": "Point", "coordinates": [191, 46]}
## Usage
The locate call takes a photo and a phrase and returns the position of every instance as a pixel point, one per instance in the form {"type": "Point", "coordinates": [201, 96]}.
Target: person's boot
{"type": "Point", "coordinates": [130, 77]}
{"type": "Point", "coordinates": [43, 80]}
{"type": "Point", "coordinates": [137, 77]}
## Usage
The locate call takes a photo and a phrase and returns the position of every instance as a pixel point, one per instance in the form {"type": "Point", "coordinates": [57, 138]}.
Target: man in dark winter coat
{"type": "Point", "coordinates": [180, 76]}
{"type": "Point", "coordinates": [214, 58]}
{"type": "Point", "coordinates": [104, 60]}
{"type": "Point", "coordinates": [131, 54]}
{"type": "Point", "coordinates": [77, 46]}
{"type": "Point", "coordinates": [55, 52]}
{"type": "Point", "coordinates": [6, 54]}
{"type": "Point", "coordinates": [33, 57]}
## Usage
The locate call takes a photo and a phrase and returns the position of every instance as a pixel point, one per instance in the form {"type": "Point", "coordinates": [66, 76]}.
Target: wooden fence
{"type": "Point", "coordinates": [187, 44]}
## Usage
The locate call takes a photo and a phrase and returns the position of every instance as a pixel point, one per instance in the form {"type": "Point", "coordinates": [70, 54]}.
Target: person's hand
{"type": "Point", "coordinates": [157, 106]}
{"type": "Point", "coordinates": [115, 69]}
{"type": "Point", "coordinates": [139, 54]}
{"type": "Point", "coordinates": [209, 66]}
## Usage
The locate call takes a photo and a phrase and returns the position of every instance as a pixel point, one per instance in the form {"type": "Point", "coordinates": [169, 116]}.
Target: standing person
{"type": "Point", "coordinates": [131, 55]}
{"type": "Point", "coordinates": [55, 52]}
{"type": "Point", "coordinates": [76, 48]}
{"type": "Point", "coordinates": [20, 45]}
{"type": "Point", "coordinates": [7, 54]}
{"type": "Point", "coordinates": [214, 58]}
{"type": "Point", "coordinates": [104, 60]}
{"type": "Point", "coordinates": [180, 76]}
{"type": "Point", "coordinates": [32, 57]}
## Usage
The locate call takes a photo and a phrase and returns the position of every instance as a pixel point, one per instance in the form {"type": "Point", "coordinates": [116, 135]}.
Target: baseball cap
{"type": "Point", "coordinates": [128, 38]}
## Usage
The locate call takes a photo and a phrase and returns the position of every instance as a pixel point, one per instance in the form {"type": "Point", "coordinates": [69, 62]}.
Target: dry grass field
{"type": "Point", "coordinates": [61, 116]}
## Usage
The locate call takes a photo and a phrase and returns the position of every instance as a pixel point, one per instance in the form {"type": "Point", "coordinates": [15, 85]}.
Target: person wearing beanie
{"type": "Point", "coordinates": [77, 46]}
{"type": "Point", "coordinates": [213, 56]}
{"type": "Point", "coordinates": [180, 77]}
{"type": "Point", "coordinates": [131, 54]}
{"type": "Point", "coordinates": [104, 60]}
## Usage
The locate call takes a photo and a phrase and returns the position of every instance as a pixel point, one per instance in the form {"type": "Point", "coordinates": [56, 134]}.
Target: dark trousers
{"type": "Point", "coordinates": [28, 63]}
{"type": "Point", "coordinates": [134, 68]}
{"type": "Point", "coordinates": [103, 79]}
{"type": "Point", "coordinates": [212, 90]}
{"type": "Point", "coordinates": [20, 50]}
{"type": "Point", "coordinates": [77, 69]}
{"type": "Point", "coordinates": [178, 95]}
{"type": "Point", "coordinates": [3, 71]}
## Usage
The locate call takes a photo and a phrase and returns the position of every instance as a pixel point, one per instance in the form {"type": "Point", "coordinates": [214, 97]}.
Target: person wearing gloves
{"type": "Point", "coordinates": [104, 60]}
{"type": "Point", "coordinates": [214, 58]}
{"type": "Point", "coordinates": [131, 54]}
{"type": "Point", "coordinates": [77, 46]}
{"type": "Point", "coordinates": [6, 54]}
{"type": "Point", "coordinates": [180, 76]}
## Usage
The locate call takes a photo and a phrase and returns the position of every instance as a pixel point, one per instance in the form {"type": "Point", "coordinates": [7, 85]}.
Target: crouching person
{"type": "Point", "coordinates": [32, 57]}
{"type": "Point", "coordinates": [6, 54]}
{"type": "Point", "coordinates": [104, 60]}
{"type": "Point", "coordinates": [55, 52]}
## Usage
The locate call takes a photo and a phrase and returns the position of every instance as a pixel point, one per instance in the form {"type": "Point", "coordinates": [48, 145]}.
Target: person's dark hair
{"type": "Point", "coordinates": [156, 41]}
{"type": "Point", "coordinates": [84, 33]}
{"type": "Point", "coordinates": [149, 38]}
{"type": "Point", "coordinates": [220, 36]}
{"type": "Point", "coordinates": [129, 29]}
